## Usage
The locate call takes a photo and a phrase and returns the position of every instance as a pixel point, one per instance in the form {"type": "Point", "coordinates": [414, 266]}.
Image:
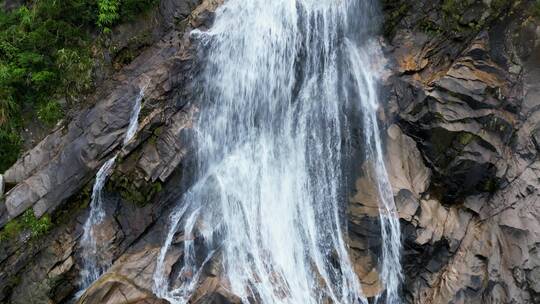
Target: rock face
{"type": "Point", "coordinates": [463, 155]}
{"type": "Point", "coordinates": [462, 134]}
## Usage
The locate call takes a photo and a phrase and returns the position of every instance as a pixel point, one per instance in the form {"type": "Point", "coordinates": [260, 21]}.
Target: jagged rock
{"type": "Point", "coordinates": [404, 164]}
{"type": "Point", "coordinates": [409, 178]}
{"type": "Point", "coordinates": [472, 237]}
{"type": "Point", "coordinates": [130, 279]}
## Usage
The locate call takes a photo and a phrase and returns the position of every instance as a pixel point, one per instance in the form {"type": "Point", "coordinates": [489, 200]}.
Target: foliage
{"type": "Point", "coordinates": [10, 145]}
{"type": "Point", "coordinates": [37, 227]}
{"type": "Point", "coordinates": [78, 64]}
{"type": "Point", "coordinates": [453, 12]}
{"type": "Point", "coordinates": [397, 10]}
{"type": "Point", "coordinates": [131, 8]}
{"type": "Point", "coordinates": [27, 222]}
{"type": "Point", "coordinates": [32, 70]}
{"type": "Point", "coordinates": [536, 9]}
{"type": "Point", "coordinates": [45, 57]}
{"type": "Point", "coordinates": [108, 13]}
{"type": "Point", "coordinates": [11, 230]}
{"type": "Point", "coordinates": [498, 5]}
{"type": "Point", "coordinates": [113, 11]}
{"type": "Point", "coordinates": [50, 112]}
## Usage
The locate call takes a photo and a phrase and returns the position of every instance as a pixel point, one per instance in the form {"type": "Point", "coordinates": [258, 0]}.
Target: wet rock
{"type": "Point", "coordinates": [462, 158]}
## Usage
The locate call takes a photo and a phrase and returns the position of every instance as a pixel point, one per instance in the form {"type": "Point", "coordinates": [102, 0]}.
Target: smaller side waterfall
{"type": "Point", "coordinates": [92, 267]}
{"type": "Point", "coordinates": [364, 77]}
{"type": "Point", "coordinates": [93, 263]}
{"type": "Point", "coordinates": [134, 118]}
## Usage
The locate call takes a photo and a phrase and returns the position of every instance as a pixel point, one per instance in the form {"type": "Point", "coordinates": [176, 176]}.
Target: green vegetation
{"type": "Point", "coordinates": [133, 189]}
{"type": "Point", "coordinates": [108, 13]}
{"type": "Point", "coordinates": [490, 185]}
{"type": "Point", "coordinates": [32, 43]}
{"type": "Point", "coordinates": [397, 11]}
{"type": "Point", "coordinates": [27, 222]}
{"type": "Point", "coordinates": [465, 138]}
{"type": "Point", "coordinates": [113, 11]}
{"type": "Point", "coordinates": [11, 230]}
{"type": "Point", "coordinates": [456, 22]}
{"type": "Point", "coordinates": [536, 9]}
{"type": "Point", "coordinates": [36, 227]}
{"type": "Point", "coordinates": [454, 8]}
{"type": "Point", "coordinates": [45, 57]}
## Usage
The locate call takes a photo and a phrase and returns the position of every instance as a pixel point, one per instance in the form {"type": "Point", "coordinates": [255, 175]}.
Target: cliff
{"type": "Point", "coordinates": [461, 117]}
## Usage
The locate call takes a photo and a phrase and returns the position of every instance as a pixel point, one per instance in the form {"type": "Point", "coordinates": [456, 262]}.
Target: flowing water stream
{"type": "Point", "coordinates": [94, 263]}
{"type": "Point", "coordinates": [281, 80]}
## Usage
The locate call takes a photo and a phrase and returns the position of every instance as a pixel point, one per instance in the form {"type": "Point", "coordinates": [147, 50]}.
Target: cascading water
{"type": "Point", "coordinates": [93, 267]}
{"type": "Point", "coordinates": [365, 82]}
{"type": "Point", "coordinates": [93, 262]}
{"type": "Point", "coordinates": [269, 196]}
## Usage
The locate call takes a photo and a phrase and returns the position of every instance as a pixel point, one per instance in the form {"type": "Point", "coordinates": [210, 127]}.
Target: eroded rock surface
{"type": "Point", "coordinates": [468, 104]}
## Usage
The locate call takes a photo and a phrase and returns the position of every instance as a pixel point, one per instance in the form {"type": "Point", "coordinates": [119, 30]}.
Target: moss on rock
{"type": "Point", "coordinates": [133, 188]}
{"type": "Point", "coordinates": [27, 222]}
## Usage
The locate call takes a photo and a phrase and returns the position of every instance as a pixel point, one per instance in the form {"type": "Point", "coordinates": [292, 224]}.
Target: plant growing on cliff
{"type": "Point", "coordinates": [108, 13]}
{"type": "Point", "coordinates": [536, 9]}
{"type": "Point", "coordinates": [50, 112]}
{"type": "Point", "coordinates": [27, 222]}
{"type": "Point", "coordinates": [113, 11]}
{"type": "Point", "coordinates": [30, 74]}
{"type": "Point", "coordinates": [37, 227]}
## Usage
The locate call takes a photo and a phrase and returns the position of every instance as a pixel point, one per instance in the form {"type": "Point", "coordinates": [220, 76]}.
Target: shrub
{"type": "Point", "coordinates": [27, 222]}
{"type": "Point", "coordinates": [536, 9]}
{"type": "Point", "coordinates": [50, 112]}
{"type": "Point", "coordinates": [37, 227]}
{"type": "Point", "coordinates": [34, 73]}
{"type": "Point", "coordinates": [108, 13]}
{"type": "Point", "coordinates": [11, 230]}
{"type": "Point", "coordinates": [10, 146]}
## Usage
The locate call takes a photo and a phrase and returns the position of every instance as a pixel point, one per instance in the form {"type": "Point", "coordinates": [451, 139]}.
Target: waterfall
{"type": "Point", "coordinates": [134, 117]}
{"type": "Point", "coordinates": [280, 80]}
{"type": "Point", "coordinates": [93, 267]}
{"type": "Point", "coordinates": [390, 230]}
{"type": "Point", "coordinates": [94, 264]}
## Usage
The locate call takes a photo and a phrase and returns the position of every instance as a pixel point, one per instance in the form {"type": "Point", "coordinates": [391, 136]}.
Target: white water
{"type": "Point", "coordinates": [93, 267]}
{"type": "Point", "coordinates": [390, 230]}
{"type": "Point", "coordinates": [94, 261]}
{"type": "Point", "coordinates": [134, 117]}
{"type": "Point", "coordinates": [281, 78]}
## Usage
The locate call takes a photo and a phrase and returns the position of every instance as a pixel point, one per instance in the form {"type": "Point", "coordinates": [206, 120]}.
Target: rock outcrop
{"type": "Point", "coordinates": [468, 191]}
